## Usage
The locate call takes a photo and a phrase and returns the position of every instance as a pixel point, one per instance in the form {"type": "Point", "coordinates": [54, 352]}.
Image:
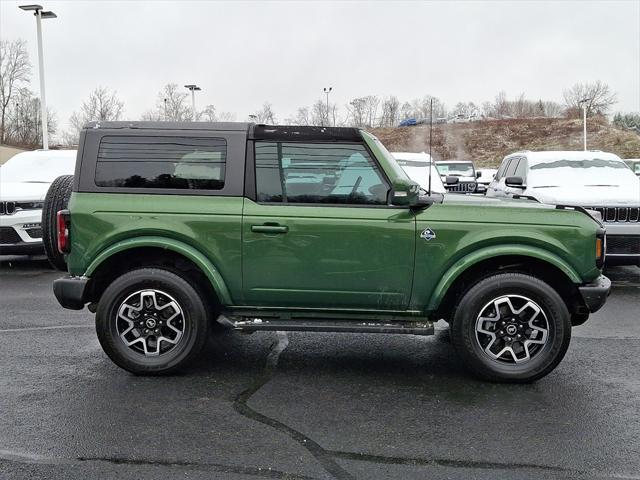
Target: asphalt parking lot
{"type": "Point", "coordinates": [309, 406]}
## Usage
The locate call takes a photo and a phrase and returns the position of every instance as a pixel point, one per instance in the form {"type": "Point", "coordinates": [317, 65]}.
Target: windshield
{"type": "Point", "coordinates": [36, 168]}
{"type": "Point", "coordinates": [419, 172]}
{"type": "Point", "coordinates": [590, 163]}
{"type": "Point", "coordinates": [391, 160]}
{"type": "Point", "coordinates": [595, 172]}
{"type": "Point", "coordinates": [456, 169]}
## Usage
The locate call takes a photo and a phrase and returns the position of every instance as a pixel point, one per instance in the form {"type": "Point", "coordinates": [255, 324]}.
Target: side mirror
{"type": "Point", "coordinates": [478, 174]}
{"type": "Point", "coordinates": [515, 182]}
{"type": "Point", "coordinates": [451, 180]}
{"type": "Point", "coordinates": [405, 196]}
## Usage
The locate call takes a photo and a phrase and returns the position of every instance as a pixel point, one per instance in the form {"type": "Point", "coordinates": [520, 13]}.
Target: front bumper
{"type": "Point", "coordinates": [16, 232]}
{"type": "Point", "coordinates": [595, 294]}
{"type": "Point", "coordinates": [70, 291]}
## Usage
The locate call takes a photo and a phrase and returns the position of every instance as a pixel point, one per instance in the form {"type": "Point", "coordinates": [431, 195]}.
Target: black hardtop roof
{"type": "Point", "coordinates": [254, 131]}
{"type": "Point", "coordinates": [135, 125]}
{"type": "Point", "coordinates": [300, 133]}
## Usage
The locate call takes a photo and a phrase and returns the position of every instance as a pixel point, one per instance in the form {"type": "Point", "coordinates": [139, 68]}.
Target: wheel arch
{"type": "Point", "coordinates": [134, 252]}
{"type": "Point", "coordinates": [533, 261]}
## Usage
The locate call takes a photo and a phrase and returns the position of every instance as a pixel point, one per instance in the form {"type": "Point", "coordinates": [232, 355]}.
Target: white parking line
{"type": "Point", "coordinates": [53, 327]}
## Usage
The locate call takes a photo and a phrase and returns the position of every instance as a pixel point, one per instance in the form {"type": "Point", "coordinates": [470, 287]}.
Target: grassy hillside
{"type": "Point", "coordinates": [487, 142]}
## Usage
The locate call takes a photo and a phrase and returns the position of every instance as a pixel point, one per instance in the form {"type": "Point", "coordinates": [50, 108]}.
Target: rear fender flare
{"type": "Point", "coordinates": [197, 257]}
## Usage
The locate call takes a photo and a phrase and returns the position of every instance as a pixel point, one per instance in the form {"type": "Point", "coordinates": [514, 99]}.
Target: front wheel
{"type": "Point", "coordinates": [511, 327]}
{"type": "Point", "coordinates": [151, 321]}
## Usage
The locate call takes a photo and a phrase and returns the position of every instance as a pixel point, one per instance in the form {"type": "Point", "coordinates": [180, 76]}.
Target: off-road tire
{"type": "Point", "coordinates": [57, 199]}
{"type": "Point", "coordinates": [463, 328]}
{"type": "Point", "coordinates": [195, 312]}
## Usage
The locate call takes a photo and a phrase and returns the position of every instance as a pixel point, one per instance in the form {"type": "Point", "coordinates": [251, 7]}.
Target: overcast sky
{"type": "Point", "coordinates": [245, 53]}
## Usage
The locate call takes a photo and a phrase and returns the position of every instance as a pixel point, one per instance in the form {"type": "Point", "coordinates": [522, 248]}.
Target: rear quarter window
{"type": "Point", "coordinates": [165, 162]}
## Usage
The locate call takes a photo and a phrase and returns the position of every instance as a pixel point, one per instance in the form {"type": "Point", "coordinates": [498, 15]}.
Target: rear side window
{"type": "Point", "coordinates": [521, 169]}
{"type": "Point", "coordinates": [502, 168]}
{"type": "Point", "coordinates": [317, 173]}
{"type": "Point", "coordinates": [161, 162]}
{"type": "Point", "coordinates": [513, 166]}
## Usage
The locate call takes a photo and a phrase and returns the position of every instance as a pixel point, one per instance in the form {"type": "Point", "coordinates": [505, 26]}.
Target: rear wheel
{"type": "Point", "coordinates": [151, 321]}
{"type": "Point", "coordinates": [511, 327]}
{"type": "Point", "coordinates": [57, 199]}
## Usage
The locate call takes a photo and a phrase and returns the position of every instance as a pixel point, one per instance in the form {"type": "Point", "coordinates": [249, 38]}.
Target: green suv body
{"type": "Point", "coordinates": [174, 229]}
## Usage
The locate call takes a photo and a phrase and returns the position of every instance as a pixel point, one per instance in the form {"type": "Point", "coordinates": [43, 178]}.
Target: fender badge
{"type": "Point", "coordinates": [428, 234]}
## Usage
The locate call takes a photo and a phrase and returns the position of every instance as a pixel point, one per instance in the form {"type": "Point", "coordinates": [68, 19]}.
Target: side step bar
{"type": "Point", "coordinates": [253, 324]}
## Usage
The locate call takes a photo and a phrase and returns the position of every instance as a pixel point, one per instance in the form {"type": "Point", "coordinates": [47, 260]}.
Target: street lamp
{"type": "Point", "coordinates": [193, 89]}
{"type": "Point", "coordinates": [39, 14]}
{"type": "Point", "coordinates": [584, 121]}
{"type": "Point", "coordinates": [327, 91]}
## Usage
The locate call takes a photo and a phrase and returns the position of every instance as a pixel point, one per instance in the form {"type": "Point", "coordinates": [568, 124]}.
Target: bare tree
{"type": "Point", "coordinates": [15, 70]}
{"type": "Point", "coordinates": [552, 109]}
{"type": "Point", "coordinates": [102, 105]}
{"type": "Point", "coordinates": [406, 111]}
{"type": "Point", "coordinates": [363, 111]}
{"type": "Point", "coordinates": [319, 113]}
{"type": "Point", "coordinates": [597, 95]}
{"type": "Point", "coordinates": [172, 104]}
{"type": "Point", "coordinates": [265, 114]}
{"type": "Point", "coordinates": [23, 126]}
{"type": "Point", "coordinates": [208, 114]}
{"type": "Point", "coordinates": [390, 112]}
{"type": "Point", "coordinates": [357, 111]}
{"type": "Point", "coordinates": [303, 118]}
{"type": "Point", "coordinates": [226, 116]}
{"type": "Point", "coordinates": [501, 107]}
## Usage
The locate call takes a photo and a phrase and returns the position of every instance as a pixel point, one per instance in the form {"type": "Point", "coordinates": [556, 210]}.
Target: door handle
{"type": "Point", "coordinates": [269, 228]}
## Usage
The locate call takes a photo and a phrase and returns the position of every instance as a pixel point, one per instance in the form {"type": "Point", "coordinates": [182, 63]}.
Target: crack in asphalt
{"type": "Point", "coordinates": [266, 472]}
{"type": "Point", "coordinates": [442, 462]}
{"type": "Point", "coordinates": [324, 457]}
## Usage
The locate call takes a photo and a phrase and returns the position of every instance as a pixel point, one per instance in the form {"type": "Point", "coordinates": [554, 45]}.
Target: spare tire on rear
{"type": "Point", "coordinates": [57, 199]}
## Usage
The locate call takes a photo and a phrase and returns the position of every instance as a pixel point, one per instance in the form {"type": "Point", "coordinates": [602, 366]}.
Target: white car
{"type": "Point", "coordinates": [485, 177]}
{"type": "Point", "coordinates": [595, 180]}
{"type": "Point", "coordinates": [24, 181]}
{"type": "Point", "coordinates": [416, 165]}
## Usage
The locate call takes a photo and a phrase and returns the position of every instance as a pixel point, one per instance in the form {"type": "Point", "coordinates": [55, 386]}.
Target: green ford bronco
{"type": "Point", "coordinates": [173, 230]}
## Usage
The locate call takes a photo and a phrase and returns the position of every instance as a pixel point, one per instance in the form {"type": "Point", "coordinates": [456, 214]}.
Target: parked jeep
{"type": "Point", "coordinates": [174, 228]}
{"type": "Point", "coordinates": [463, 170]}
{"type": "Point", "coordinates": [594, 180]}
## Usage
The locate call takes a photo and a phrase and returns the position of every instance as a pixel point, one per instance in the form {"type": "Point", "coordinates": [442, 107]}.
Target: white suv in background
{"type": "Point", "coordinates": [24, 181]}
{"type": "Point", "coordinates": [595, 180]}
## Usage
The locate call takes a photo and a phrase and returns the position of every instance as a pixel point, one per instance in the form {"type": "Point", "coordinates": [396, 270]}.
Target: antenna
{"type": "Point", "coordinates": [430, 137]}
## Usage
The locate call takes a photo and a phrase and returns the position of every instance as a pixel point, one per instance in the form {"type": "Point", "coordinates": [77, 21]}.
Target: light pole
{"type": "Point", "coordinates": [327, 91]}
{"type": "Point", "coordinates": [584, 121]}
{"type": "Point", "coordinates": [39, 14]}
{"type": "Point", "coordinates": [193, 89]}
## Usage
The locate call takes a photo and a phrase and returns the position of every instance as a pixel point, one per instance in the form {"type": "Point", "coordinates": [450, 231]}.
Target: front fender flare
{"type": "Point", "coordinates": [486, 253]}
{"type": "Point", "coordinates": [210, 271]}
